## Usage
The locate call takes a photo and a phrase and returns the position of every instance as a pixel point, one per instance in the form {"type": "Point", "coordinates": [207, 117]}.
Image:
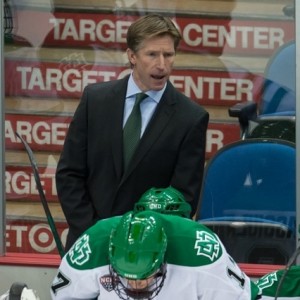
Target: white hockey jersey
{"type": "Point", "coordinates": [198, 266]}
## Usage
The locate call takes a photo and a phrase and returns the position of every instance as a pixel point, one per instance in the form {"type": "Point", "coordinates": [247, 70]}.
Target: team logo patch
{"type": "Point", "coordinates": [107, 282]}
{"type": "Point", "coordinates": [267, 281]}
{"type": "Point", "coordinates": [80, 251]}
{"type": "Point", "coordinates": [207, 244]}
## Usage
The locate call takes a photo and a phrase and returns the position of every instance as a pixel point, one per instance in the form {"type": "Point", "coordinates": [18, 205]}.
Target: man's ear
{"type": "Point", "coordinates": [131, 56]}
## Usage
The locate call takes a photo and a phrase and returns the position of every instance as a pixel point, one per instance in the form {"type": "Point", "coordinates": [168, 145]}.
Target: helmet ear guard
{"type": "Point", "coordinates": [164, 200]}
{"type": "Point", "coordinates": [136, 251]}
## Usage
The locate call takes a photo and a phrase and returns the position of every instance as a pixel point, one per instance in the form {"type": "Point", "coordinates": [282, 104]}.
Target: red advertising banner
{"type": "Point", "coordinates": [19, 178]}
{"type": "Point", "coordinates": [60, 80]}
{"type": "Point", "coordinates": [20, 183]}
{"type": "Point", "coordinates": [219, 135]}
{"type": "Point", "coordinates": [42, 133]}
{"type": "Point", "coordinates": [200, 34]}
{"type": "Point", "coordinates": [33, 236]}
{"type": "Point", "coordinates": [47, 133]}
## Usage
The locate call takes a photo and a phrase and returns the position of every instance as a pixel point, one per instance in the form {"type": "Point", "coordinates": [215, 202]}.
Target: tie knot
{"type": "Point", "coordinates": [139, 97]}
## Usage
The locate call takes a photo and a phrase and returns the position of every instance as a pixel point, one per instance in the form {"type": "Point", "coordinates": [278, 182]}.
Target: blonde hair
{"type": "Point", "coordinates": [149, 26]}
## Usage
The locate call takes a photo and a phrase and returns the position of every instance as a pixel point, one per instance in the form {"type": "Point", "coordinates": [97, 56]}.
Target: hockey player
{"type": "Point", "coordinates": [282, 284]}
{"type": "Point", "coordinates": [149, 255]}
{"type": "Point", "coordinates": [164, 200]}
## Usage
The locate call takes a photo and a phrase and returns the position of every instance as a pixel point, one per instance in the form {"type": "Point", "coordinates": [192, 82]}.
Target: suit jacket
{"type": "Point", "coordinates": [90, 180]}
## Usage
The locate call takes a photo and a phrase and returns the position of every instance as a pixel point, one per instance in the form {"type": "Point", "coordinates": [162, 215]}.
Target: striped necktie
{"type": "Point", "coordinates": [132, 129]}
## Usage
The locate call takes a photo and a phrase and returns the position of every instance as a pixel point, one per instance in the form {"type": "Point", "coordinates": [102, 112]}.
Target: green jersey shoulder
{"type": "Point", "coordinates": [190, 243]}
{"type": "Point", "coordinates": [281, 283]}
{"type": "Point", "coordinates": [91, 249]}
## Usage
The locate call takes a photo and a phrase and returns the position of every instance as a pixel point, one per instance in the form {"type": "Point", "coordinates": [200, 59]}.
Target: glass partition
{"type": "Point", "coordinates": [237, 55]}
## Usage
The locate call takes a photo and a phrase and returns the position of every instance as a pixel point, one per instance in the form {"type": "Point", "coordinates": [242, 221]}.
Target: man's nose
{"type": "Point", "coordinates": [161, 61]}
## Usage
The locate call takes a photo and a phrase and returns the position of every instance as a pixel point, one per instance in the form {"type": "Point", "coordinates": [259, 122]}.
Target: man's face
{"type": "Point", "coordinates": [148, 288]}
{"type": "Point", "coordinates": [153, 62]}
{"type": "Point", "coordinates": [137, 285]}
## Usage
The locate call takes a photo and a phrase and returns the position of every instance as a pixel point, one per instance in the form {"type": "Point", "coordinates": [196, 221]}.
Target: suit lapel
{"type": "Point", "coordinates": [155, 128]}
{"type": "Point", "coordinates": [117, 111]}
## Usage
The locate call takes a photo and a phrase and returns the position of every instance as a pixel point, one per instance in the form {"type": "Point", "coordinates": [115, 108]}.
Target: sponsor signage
{"type": "Point", "coordinates": [60, 80]}
{"type": "Point", "coordinates": [20, 183]}
{"type": "Point", "coordinates": [200, 34]}
{"type": "Point", "coordinates": [33, 236]}
{"type": "Point", "coordinates": [47, 133]}
{"type": "Point", "coordinates": [219, 135]}
{"type": "Point", "coordinates": [19, 179]}
{"type": "Point", "coordinates": [42, 133]}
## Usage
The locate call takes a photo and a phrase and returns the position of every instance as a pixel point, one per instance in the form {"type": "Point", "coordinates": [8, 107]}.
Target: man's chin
{"type": "Point", "coordinates": [157, 86]}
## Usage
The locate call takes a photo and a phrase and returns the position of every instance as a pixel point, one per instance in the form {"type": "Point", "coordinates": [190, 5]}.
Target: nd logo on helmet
{"type": "Point", "coordinates": [155, 206]}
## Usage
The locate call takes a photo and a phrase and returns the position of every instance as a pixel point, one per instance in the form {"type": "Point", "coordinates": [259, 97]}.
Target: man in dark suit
{"type": "Point", "coordinates": [93, 182]}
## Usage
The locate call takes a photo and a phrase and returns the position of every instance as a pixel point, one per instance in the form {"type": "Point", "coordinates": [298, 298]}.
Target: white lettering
{"type": "Point", "coordinates": [195, 87]}
{"type": "Point", "coordinates": [87, 30]}
{"type": "Point", "coordinates": [105, 30]}
{"type": "Point", "coordinates": [69, 30]}
{"type": "Point", "coordinates": [194, 35]}
{"type": "Point", "coordinates": [215, 140]}
{"type": "Point", "coordinates": [40, 132]}
{"type": "Point", "coordinates": [71, 80]}
{"type": "Point", "coordinates": [211, 88]}
{"type": "Point", "coordinates": [19, 230]}
{"type": "Point", "coordinates": [208, 35]}
{"type": "Point", "coordinates": [37, 238]}
{"type": "Point", "coordinates": [22, 183]}
{"type": "Point", "coordinates": [9, 132]}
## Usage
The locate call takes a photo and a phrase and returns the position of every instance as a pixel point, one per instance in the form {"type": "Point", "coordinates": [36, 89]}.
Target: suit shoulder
{"type": "Point", "coordinates": [106, 85]}
{"type": "Point", "coordinates": [194, 111]}
{"type": "Point", "coordinates": [183, 100]}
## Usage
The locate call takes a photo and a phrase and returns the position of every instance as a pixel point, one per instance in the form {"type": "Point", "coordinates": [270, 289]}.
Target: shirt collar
{"type": "Point", "coordinates": [133, 89]}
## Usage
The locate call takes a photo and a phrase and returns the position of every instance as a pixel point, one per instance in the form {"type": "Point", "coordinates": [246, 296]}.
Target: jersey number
{"type": "Point", "coordinates": [61, 282]}
{"type": "Point", "coordinates": [239, 279]}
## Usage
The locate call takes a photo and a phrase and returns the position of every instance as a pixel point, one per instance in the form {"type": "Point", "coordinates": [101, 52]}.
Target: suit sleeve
{"type": "Point", "coordinates": [71, 174]}
{"type": "Point", "coordinates": [188, 174]}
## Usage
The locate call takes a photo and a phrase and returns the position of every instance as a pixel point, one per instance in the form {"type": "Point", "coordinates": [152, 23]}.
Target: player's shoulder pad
{"type": "Point", "coordinates": [91, 248]}
{"type": "Point", "coordinates": [190, 243]}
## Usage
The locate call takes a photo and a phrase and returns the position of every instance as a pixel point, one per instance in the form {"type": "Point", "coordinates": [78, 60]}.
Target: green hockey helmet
{"type": "Point", "coordinates": [136, 252]}
{"type": "Point", "coordinates": [138, 245]}
{"type": "Point", "coordinates": [164, 200]}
